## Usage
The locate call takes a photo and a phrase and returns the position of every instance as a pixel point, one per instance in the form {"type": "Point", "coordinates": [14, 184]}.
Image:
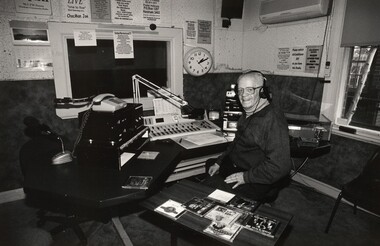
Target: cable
{"type": "Point", "coordinates": [84, 121]}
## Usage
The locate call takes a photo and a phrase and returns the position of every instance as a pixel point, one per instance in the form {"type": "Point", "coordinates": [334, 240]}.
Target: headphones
{"type": "Point", "coordinates": [264, 92]}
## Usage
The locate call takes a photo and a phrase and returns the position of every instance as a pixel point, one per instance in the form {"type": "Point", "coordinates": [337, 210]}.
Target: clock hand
{"type": "Point", "coordinates": [202, 60]}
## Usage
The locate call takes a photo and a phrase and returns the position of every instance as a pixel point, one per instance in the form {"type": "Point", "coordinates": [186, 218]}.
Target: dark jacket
{"type": "Point", "coordinates": [261, 146]}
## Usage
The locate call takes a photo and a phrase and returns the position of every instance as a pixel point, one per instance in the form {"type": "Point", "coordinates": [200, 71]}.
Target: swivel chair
{"type": "Point", "coordinates": [363, 191]}
{"type": "Point", "coordinates": [35, 153]}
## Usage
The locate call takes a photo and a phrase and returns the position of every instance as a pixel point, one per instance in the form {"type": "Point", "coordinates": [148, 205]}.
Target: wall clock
{"type": "Point", "coordinates": [197, 61]}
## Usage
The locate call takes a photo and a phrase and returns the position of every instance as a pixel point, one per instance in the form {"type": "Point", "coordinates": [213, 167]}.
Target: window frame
{"type": "Point", "coordinates": [60, 32]}
{"type": "Point", "coordinates": [362, 134]}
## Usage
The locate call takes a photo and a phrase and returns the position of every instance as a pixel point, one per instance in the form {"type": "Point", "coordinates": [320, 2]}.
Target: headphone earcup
{"type": "Point", "coordinates": [263, 92]}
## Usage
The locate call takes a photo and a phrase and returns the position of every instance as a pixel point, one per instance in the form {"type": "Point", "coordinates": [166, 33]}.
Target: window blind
{"type": "Point", "coordinates": [361, 23]}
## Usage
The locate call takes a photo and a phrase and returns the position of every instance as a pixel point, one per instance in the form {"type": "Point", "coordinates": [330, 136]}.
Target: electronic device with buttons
{"type": "Point", "coordinates": [105, 134]}
{"type": "Point", "coordinates": [232, 112]}
{"type": "Point", "coordinates": [174, 126]}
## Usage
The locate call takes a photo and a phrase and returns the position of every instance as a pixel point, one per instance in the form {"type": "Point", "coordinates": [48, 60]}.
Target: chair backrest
{"type": "Point", "coordinates": [37, 152]}
{"type": "Point", "coordinates": [372, 168]}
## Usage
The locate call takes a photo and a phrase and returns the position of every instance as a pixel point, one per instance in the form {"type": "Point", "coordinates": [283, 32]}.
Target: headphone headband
{"type": "Point", "coordinates": [254, 72]}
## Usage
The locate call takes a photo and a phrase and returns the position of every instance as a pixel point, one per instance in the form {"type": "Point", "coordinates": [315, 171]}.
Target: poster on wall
{"type": "Point", "coordinates": [123, 44]}
{"type": "Point", "coordinates": [35, 7]}
{"type": "Point", "coordinates": [30, 59]}
{"type": "Point", "coordinates": [298, 58]}
{"type": "Point", "coordinates": [100, 10]}
{"type": "Point", "coordinates": [283, 59]}
{"type": "Point", "coordinates": [29, 32]}
{"type": "Point", "coordinates": [77, 11]}
{"type": "Point", "coordinates": [124, 11]}
{"type": "Point", "coordinates": [313, 58]}
{"type": "Point", "coordinates": [30, 36]}
{"type": "Point", "coordinates": [204, 32]}
{"type": "Point", "coordinates": [190, 33]}
{"type": "Point", "coordinates": [84, 38]}
{"type": "Point", "coordinates": [152, 11]}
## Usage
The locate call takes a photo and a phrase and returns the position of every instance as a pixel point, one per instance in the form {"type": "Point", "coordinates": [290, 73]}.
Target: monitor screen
{"type": "Point", "coordinates": [84, 71]}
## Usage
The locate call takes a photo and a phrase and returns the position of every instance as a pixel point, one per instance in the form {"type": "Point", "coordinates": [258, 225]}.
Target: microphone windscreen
{"type": "Point", "coordinates": [45, 128]}
{"type": "Point", "coordinates": [31, 121]}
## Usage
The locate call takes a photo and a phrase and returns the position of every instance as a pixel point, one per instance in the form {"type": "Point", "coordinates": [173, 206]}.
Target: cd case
{"type": "Point", "coordinates": [263, 225]}
{"type": "Point", "coordinates": [137, 182]}
{"type": "Point", "coordinates": [243, 204]}
{"type": "Point", "coordinates": [222, 231]}
{"type": "Point", "coordinates": [171, 209]}
{"type": "Point", "coordinates": [223, 215]}
{"type": "Point", "coordinates": [199, 206]}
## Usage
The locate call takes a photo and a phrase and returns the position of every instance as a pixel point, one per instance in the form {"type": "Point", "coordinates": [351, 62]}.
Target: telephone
{"type": "Point", "coordinates": [107, 103]}
{"type": "Point", "coordinates": [102, 103]}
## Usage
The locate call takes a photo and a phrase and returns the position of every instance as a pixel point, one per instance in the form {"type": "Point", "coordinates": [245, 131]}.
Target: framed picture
{"type": "Point", "coordinates": [30, 36]}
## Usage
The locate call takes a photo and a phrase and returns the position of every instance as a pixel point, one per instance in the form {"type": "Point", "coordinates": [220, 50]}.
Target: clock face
{"type": "Point", "coordinates": [197, 61]}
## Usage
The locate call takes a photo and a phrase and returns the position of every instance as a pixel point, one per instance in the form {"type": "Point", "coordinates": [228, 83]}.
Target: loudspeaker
{"type": "Point", "coordinates": [232, 9]}
{"type": "Point", "coordinates": [264, 91]}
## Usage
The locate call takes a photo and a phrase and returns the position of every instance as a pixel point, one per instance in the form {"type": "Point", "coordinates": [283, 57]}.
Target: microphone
{"type": "Point", "coordinates": [35, 128]}
{"type": "Point", "coordinates": [62, 157]}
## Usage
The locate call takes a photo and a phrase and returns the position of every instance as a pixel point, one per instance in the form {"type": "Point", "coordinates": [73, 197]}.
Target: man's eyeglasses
{"type": "Point", "coordinates": [249, 90]}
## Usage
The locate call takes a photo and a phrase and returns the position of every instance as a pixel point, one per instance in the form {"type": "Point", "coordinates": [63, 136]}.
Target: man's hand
{"type": "Point", "coordinates": [214, 169]}
{"type": "Point", "coordinates": [235, 177]}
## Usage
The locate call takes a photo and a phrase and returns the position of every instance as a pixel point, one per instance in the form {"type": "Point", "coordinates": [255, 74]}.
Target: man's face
{"type": "Point", "coordinates": [248, 91]}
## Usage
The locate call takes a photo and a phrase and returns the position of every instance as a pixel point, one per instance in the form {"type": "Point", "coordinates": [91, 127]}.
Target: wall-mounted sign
{"type": "Point", "coordinates": [77, 11]}
{"type": "Point", "coordinates": [152, 10]}
{"type": "Point", "coordinates": [204, 32]}
{"type": "Point", "coordinates": [123, 11]}
{"type": "Point", "coordinates": [313, 59]}
{"type": "Point", "coordinates": [101, 10]}
{"type": "Point", "coordinates": [297, 57]}
{"type": "Point", "coordinates": [85, 37]}
{"type": "Point", "coordinates": [123, 45]}
{"type": "Point", "coordinates": [36, 7]}
{"type": "Point", "coordinates": [283, 59]}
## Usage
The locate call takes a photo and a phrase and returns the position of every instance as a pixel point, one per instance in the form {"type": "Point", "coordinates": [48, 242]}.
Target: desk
{"type": "Point", "coordinates": [307, 152]}
{"type": "Point", "coordinates": [185, 190]}
{"type": "Point", "coordinates": [193, 160]}
{"type": "Point", "coordinates": [98, 188]}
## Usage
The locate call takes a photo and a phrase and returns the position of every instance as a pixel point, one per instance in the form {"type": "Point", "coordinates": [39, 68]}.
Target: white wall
{"type": "Point", "coordinates": [226, 44]}
{"type": "Point", "coordinates": [261, 43]}
{"type": "Point", "coordinates": [246, 44]}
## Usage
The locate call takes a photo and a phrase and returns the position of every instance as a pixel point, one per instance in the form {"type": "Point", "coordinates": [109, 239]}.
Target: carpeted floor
{"type": "Point", "coordinates": [311, 211]}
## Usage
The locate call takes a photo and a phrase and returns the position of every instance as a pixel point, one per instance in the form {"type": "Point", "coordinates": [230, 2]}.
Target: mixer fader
{"type": "Point", "coordinates": [181, 129]}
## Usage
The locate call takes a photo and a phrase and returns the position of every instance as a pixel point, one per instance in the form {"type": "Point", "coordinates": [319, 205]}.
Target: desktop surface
{"type": "Point", "coordinates": [102, 187]}
{"type": "Point", "coordinates": [185, 190]}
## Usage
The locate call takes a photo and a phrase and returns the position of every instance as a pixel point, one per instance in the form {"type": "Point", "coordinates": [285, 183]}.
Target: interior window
{"type": "Point", "coordinates": [361, 104]}
{"type": "Point", "coordinates": [94, 69]}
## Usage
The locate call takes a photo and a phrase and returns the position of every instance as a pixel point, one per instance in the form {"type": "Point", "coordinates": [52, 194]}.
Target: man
{"type": "Point", "coordinates": [257, 162]}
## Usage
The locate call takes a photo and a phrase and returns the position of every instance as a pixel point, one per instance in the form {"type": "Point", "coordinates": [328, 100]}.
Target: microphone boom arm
{"type": "Point", "coordinates": [167, 95]}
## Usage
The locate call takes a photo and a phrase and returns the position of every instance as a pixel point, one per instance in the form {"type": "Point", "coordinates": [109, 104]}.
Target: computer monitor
{"type": "Point", "coordinates": [85, 71]}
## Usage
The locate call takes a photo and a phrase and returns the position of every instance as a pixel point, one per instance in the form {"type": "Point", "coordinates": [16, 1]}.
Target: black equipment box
{"type": "Point", "coordinates": [106, 134]}
{"type": "Point", "coordinates": [309, 127]}
{"type": "Point", "coordinates": [112, 128]}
